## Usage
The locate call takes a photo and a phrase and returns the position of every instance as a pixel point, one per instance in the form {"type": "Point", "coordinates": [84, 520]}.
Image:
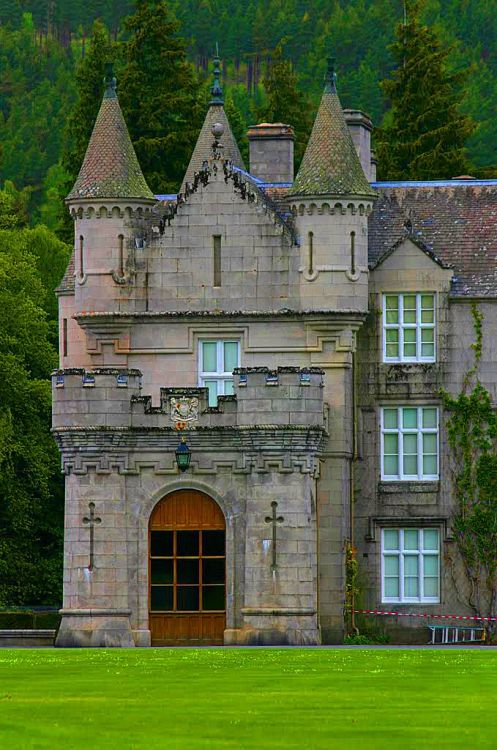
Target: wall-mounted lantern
{"type": "Point", "coordinates": [183, 455]}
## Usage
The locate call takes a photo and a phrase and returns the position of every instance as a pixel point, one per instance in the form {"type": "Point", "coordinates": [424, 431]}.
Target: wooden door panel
{"type": "Point", "coordinates": [193, 511]}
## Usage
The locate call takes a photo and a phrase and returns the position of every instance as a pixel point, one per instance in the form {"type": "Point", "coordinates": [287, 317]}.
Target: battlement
{"type": "Point", "coordinates": [111, 397]}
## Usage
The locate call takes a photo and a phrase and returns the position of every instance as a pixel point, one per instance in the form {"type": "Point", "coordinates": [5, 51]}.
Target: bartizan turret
{"type": "Point", "coordinates": [109, 202]}
{"type": "Point", "coordinates": [331, 199]}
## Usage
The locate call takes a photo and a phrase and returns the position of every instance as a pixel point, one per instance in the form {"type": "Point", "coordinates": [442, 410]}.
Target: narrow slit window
{"type": "Point", "coordinates": [311, 252]}
{"type": "Point", "coordinates": [352, 253]}
{"type": "Point", "coordinates": [64, 337]}
{"type": "Point", "coordinates": [217, 260]}
{"type": "Point", "coordinates": [81, 256]}
{"type": "Point", "coordinates": [121, 255]}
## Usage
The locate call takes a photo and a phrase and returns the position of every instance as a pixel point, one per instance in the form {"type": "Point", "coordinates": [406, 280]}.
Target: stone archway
{"type": "Point", "coordinates": [187, 570]}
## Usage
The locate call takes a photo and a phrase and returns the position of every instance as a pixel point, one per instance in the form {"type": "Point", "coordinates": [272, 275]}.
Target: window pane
{"type": "Point", "coordinates": [213, 543]}
{"type": "Point", "coordinates": [187, 543]}
{"type": "Point", "coordinates": [427, 301]}
{"type": "Point", "coordinates": [392, 351]}
{"type": "Point", "coordinates": [187, 598]}
{"type": "Point", "coordinates": [427, 316]}
{"type": "Point", "coordinates": [427, 335]}
{"type": "Point", "coordinates": [391, 466]}
{"type": "Point", "coordinates": [410, 444]}
{"type": "Point", "coordinates": [390, 443]}
{"type": "Point", "coordinates": [390, 419]}
{"type": "Point", "coordinates": [430, 443]}
{"type": "Point", "coordinates": [429, 418]}
{"type": "Point", "coordinates": [411, 587]}
{"type": "Point", "coordinates": [409, 419]}
{"type": "Point", "coordinates": [161, 598]}
{"type": "Point", "coordinates": [392, 335]}
{"type": "Point", "coordinates": [411, 539]}
{"type": "Point", "coordinates": [209, 356]}
{"type": "Point", "coordinates": [391, 588]}
{"type": "Point", "coordinates": [187, 571]}
{"type": "Point", "coordinates": [427, 350]}
{"type": "Point", "coordinates": [409, 335]}
{"type": "Point", "coordinates": [161, 571]}
{"type": "Point", "coordinates": [213, 597]}
{"type": "Point", "coordinates": [431, 587]}
{"type": "Point", "coordinates": [391, 539]}
{"type": "Point", "coordinates": [230, 355]}
{"type": "Point", "coordinates": [161, 543]}
{"type": "Point", "coordinates": [410, 351]}
{"type": "Point", "coordinates": [431, 565]}
{"type": "Point", "coordinates": [430, 466]}
{"type": "Point", "coordinates": [410, 466]}
{"type": "Point", "coordinates": [392, 302]}
{"type": "Point", "coordinates": [411, 565]}
{"type": "Point", "coordinates": [213, 571]}
{"type": "Point", "coordinates": [391, 565]}
{"type": "Point", "coordinates": [211, 386]}
{"type": "Point", "coordinates": [228, 388]}
{"type": "Point", "coordinates": [430, 538]}
{"type": "Point", "coordinates": [409, 308]}
{"type": "Point", "coordinates": [392, 317]}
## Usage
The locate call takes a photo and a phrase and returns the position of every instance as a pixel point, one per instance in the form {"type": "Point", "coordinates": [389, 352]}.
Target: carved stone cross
{"type": "Point", "coordinates": [274, 520]}
{"type": "Point", "coordinates": [91, 521]}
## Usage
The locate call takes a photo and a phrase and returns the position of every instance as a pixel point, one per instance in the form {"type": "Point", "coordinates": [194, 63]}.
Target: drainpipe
{"type": "Point", "coordinates": [352, 477]}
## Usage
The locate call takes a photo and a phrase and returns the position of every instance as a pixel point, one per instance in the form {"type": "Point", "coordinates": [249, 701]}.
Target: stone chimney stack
{"type": "Point", "coordinates": [360, 127]}
{"type": "Point", "coordinates": [271, 151]}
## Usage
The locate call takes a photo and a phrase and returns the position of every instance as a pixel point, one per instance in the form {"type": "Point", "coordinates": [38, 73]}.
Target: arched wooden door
{"type": "Point", "coordinates": [187, 570]}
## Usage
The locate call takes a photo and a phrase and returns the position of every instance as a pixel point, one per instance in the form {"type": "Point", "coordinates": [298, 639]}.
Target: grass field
{"type": "Point", "coordinates": [243, 698]}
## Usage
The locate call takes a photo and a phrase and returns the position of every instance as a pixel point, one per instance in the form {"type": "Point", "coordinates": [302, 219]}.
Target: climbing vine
{"type": "Point", "coordinates": [472, 438]}
{"type": "Point", "coordinates": [351, 585]}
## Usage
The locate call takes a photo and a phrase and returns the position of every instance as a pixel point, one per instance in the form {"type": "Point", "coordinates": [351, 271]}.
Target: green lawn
{"type": "Point", "coordinates": [243, 698]}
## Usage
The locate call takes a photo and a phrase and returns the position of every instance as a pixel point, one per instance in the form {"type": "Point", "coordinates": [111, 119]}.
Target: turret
{"type": "Point", "coordinates": [331, 199]}
{"type": "Point", "coordinates": [215, 114]}
{"type": "Point", "coordinates": [108, 202]}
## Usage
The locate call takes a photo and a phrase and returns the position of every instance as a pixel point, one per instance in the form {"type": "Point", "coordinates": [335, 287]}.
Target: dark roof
{"type": "Point", "coordinates": [456, 222]}
{"type": "Point", "coordinates": [66, 286]}
{"type": "Point", "coordinates": [331, 165]}
{"type": "Point", "coordinates": [203, 147]}
{"type": "Point", "coordinates": [110, 167]}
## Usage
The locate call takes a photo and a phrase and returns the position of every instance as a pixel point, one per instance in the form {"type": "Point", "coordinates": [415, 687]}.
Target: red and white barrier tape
{"type": "Point", "coordinates": [423, 615]}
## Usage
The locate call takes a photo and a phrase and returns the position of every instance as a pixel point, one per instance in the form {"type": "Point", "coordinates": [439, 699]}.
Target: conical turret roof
{"type": "Point", "coordinates": [110, 168]}
{"type": "Point", "coordinates": [203, 147]}
{"type": "Point", "coordinates": [331, 165]}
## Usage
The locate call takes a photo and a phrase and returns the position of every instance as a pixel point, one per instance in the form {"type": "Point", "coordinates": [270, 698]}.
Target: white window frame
{"type": "Point", "coordinates": [220, 376]}
{"type": "Point", "coordinates": [401, 326]}
{"type": "Point", "coordinates": [420, 553]}
{"type": "Point", "coordinates": [400, 431]}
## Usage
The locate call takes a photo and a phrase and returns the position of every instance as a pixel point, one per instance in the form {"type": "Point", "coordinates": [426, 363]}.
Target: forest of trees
{"type": "Point", "coordinates": [426, 70]}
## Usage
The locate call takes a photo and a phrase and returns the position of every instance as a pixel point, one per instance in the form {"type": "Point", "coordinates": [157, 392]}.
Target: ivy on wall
{"type": "Point", "coordinates": [472, 438]}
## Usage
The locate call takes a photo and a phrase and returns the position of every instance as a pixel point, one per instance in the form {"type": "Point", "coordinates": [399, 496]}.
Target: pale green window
{"type": "Point", "coordinates": [410, 565]}
{"type": "Point", "coordinates": [217, 360]}
{"type": "Point", "coordinates": [409, 443]}
{"type": "Point", "coordinates": [409, 327]}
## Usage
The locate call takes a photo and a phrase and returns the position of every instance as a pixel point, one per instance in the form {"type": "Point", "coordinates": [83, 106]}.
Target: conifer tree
{"type": "Point", "coordinates": [89, 79]}
{"type": "Point", "coordinates": [158, 93]}
{"type": "Point", "coordinates": [426, 133]}
{"type": "Point", "coordinates": [285, 103]}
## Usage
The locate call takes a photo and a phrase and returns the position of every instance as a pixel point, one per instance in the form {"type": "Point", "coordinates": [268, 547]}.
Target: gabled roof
{"type": "Point", "coordinates": [415, 241]}
{"type": "Point", "coordinates": [110, 168]}
{"type": "Point", "coordinates": [203, 147]}
{"type": "Point", "coordinates": [455, 221]}
{"type": "Point", "coordinates": [331, 165]}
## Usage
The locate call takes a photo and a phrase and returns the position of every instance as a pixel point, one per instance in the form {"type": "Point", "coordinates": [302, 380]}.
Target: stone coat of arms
{"type": "Point", "coordinates": [184, 411]}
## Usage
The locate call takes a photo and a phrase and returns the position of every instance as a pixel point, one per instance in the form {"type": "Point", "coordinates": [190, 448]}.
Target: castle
{"type": "Point", "coordinates": [249, 385]}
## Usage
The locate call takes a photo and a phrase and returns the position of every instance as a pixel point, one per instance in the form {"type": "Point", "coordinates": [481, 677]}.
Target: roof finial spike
{"type": "Point", "coordinates": [216, 90]}
{"type": "Point", "coordinates": [330, 78]}
{"type": "Point", "coordinates": [110, 81]}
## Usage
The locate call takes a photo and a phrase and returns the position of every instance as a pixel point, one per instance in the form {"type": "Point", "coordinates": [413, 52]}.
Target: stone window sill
{"type": "Point", "coordinates": [411, 488]}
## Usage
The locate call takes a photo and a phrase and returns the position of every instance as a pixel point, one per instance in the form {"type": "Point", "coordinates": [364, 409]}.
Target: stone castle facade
{"type": "Point", "coordinates": [292, 335]}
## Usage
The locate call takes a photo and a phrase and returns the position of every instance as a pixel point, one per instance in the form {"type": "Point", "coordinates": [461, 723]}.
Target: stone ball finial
{"type": "Point", "coordinates": [217, 129]}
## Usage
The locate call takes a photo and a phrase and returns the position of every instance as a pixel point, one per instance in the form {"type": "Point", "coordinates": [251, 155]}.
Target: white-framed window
{"type": "Point", "coordinates": [409, 327]}
{"type": "Point", "coordinates": [217, 360]}
{"type": "Point", "coordinates": [410, 565]}
{"type": "Point", "coordinates": [409, 443]}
